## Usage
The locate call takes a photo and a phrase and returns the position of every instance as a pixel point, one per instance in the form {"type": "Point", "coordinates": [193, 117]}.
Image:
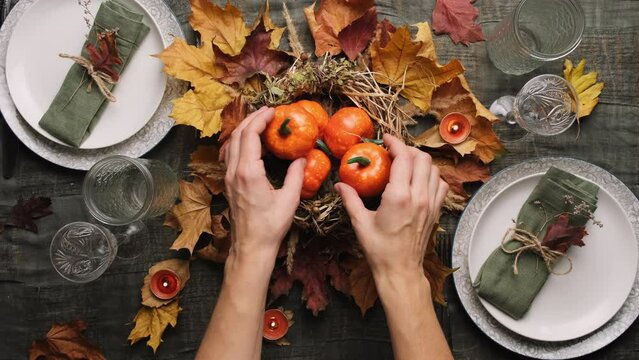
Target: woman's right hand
{"type": "Point", "coordinates": [394, 238]}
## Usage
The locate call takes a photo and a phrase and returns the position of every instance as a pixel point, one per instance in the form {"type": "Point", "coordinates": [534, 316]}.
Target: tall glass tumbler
{"type": "Point", "coordinates": [538, 31]}
{"type": "Point", "coordinates": [120, 190]}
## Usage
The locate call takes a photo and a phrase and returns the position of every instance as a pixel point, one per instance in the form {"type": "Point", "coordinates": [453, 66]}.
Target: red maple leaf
{"type": "Point", "coordinates": [561, 235]}
{"type": "Point", "coordinates": [105, 56]}
{"type": "Point", "coordinates": [384, 31]}
{"type": "Point", "coordinates": [255, 57]}
{"type": "Point", "coordinates": [457, 19]}
{"type": "Point", "coordinates": [313, 265]}
{"type": "Point", "coordinates": [355, 37]}
{"type": "Point", "coordinates": [25, 211]}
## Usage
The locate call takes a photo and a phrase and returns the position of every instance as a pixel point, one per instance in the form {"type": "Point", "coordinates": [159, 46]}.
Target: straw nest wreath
{"type": "Point", "coordinates": [334, 83]}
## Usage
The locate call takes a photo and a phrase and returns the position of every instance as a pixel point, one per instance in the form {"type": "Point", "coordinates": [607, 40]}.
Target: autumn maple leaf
{"type": "Point", "coordinates": [313, 265]}
{"type": "Point", "coordinates": [331, 18]}
{"type": "Point", "coordinates": [25, 211]}
{"type": "Point", "coordinates": [65, 341]}
{"type": "Point", "coordinates": [456, 174]}
{"type": "Point", "coordinates": [355, 37]}
{"type": "Point", "coordinates": [400, 65]}
{"type": "Point", "coordinates": [206, 165]}
{"type": "Point", "coordinates": [457, 19]}
{"type": "Point", "coordinates": [256, 57]}
{"type": "Point", "coordinates": [192, 215]}
{"type": "Point", "coordinates": [561, 235]}
{"type": "Point", "coordinates": [232, 115]}
{"type": "Point", "coordinates": [105, 56]}
{"type": "Point", "coordinates": [225, 27]}
{"type": "Point", "coordinates": [586, 86]}
{"type": "Point", "coordinates": [152, 321]}
{"type": "Point", "coordinates": [451, 97]}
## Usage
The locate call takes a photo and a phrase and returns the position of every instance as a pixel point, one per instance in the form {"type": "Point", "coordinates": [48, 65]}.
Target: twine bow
{"type": "Point", "coordinates": [99, 78]}
{"type": "Point", "coordinates": [530, 242]}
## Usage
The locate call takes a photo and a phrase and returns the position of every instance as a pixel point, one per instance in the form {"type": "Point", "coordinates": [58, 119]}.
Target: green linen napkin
{"type": "Point", "coordinates": [496, 282]}
{"type": "Point", "coordinates": [74, 108]}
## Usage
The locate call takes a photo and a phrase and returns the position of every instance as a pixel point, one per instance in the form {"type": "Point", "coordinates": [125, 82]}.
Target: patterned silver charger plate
{"type": "Point", "coordinates": [469, 299]}
{"type": "Point", "coordinates": [82, 159]}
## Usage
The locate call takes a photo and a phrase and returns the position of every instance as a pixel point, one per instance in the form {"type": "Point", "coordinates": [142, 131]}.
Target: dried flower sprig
{"type": "Point", "coordinates": [88, 15]}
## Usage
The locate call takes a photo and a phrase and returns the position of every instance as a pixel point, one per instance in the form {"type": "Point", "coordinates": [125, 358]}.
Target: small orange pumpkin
{"type": "Point", "coordinates": [292, 133]}
{"type": "Point", "coordinates": [366, 167]}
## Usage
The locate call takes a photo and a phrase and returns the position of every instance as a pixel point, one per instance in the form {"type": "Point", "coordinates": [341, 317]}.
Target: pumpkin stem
{"type": "Point", "coordinates": [285, 130]}
{"type": "Point", "coordinates": [322, 146]}
{"type": "Point", "coordinates": [361, 160]}
{"type": "Point", "coordinates": [374, 141]}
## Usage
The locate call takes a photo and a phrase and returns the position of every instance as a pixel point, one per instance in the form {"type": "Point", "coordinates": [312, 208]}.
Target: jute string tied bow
{"type": "Point", "coordinates": [530, 242]}
{"type": "Point", "coordinates": [99, 78]}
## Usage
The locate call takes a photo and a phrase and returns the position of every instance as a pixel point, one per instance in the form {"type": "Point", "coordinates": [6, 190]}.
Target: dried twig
{"type": "Point", "coordinates": [293, 38]}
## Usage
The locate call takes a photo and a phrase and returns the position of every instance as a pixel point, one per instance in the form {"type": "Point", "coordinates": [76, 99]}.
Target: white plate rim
{"type": "Point", "coordinates": [82, 159]}
{"type": "Point", "coordinates": [601, 337]}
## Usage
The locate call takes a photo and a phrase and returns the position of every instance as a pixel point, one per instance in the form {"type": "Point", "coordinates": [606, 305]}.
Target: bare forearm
{"type": "Point", "coordinates": [236, 325]}
{"type": "Point", "coordinates": [410, 313]}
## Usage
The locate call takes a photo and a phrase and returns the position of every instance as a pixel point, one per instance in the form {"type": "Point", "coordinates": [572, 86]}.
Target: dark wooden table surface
{"type": "Point", "coordinates": [32, 297]}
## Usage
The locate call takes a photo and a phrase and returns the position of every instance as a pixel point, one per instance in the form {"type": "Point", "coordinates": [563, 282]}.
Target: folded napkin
{"type": "Point", "coordinates": [74, 108]}
{"type": "Point", "coordinates": [496, 281]}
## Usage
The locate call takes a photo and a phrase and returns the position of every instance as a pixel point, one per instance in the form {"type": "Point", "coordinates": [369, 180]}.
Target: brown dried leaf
{"type": "Point", "coordinates": [362, 284]}
{"type": "Point", "coordinates": [330, 19]}
{"type": "Point", "coordinates": [179, 266]}
{"type": "Point", "coordinates": [464, 171]}
{"type": "Point", "coordinates": [355, 37]}
{"type": "Point", "coordinates": [232, 116]}
{"type": "Point", "coordinates": [255, 58]}
{"type": "Point", "coordinates": [206, 165]}
{"type": "Point", "coordinates": [384, 31]}
{"type": "Point", "coordinates": [65, 342]}
{"type": "Point", "coordinates": [454, 97]}
{"type": "Point", "coordinates": [151, 323]}
{"type": "Point", "coordinates": [435, 270]}
{"type": "Point", "coordinates": [277, 32]}
{"type": "Point", "coordinates": [218, 250]}
{"type": "Point", "coordinates": [193, 214]}
{"type": "Point", "coordinates": [399, 65]}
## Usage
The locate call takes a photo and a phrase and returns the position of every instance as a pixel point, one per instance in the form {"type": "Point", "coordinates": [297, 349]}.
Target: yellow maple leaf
{"type": "Point", "coordinates": [425, 36]}
{"type": "Point", "coordinates": [399, 65]}
{"type": "Point", "coordinates": [224, 27]}
{"type": "Point", "coordinates": [192, 214]}
{"type": "Point", "coordinates": [202, 107]}
{"type": "Point", "coordinates": [276, 31]}
{"type": "Point", "coordinates": [151, 323]}
{"type": "Point", "coordinates": [189, 63]}
{"type": "Point", "coordinates": [179, 266]}
{"type": "Point", "coordinates": [586, 86]}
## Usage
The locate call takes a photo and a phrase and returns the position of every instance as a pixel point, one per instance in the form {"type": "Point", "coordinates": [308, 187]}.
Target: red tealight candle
{"type": "Point", "coordinates": [454, 128]}
{"type": "Point", "coordinates": [275, 324]}
{"type": "Point", "coordinates": [165, 284]}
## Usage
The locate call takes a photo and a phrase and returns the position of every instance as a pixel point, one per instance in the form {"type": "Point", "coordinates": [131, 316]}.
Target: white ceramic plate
{"type": "Point", "coordinates": [35, 71]}
{"type": "Point", "coordinates": [605, 271]}
{"type": "Point", "coordinates": [82, 159]}
{"type": "Point", "coordinates": [572, 305]}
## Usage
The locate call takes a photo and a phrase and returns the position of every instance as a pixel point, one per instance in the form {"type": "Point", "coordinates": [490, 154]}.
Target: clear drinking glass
{"type": "Point", "coordinates": [120, 190]}
{"type": "Point", "coordinates": [538, 31]}
{"type": "Point", "coordinates": [546, 105]}
{"type": "Point", "coordinates": [81, 252]}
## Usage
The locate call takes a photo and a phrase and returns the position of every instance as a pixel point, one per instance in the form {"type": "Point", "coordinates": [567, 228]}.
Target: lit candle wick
{"type": "Point", "coordinates": [165, 284]}
{"type": "Point", "coordinates": [454, 128]}
{"type": "Point", "coordinates": [273, 324]}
